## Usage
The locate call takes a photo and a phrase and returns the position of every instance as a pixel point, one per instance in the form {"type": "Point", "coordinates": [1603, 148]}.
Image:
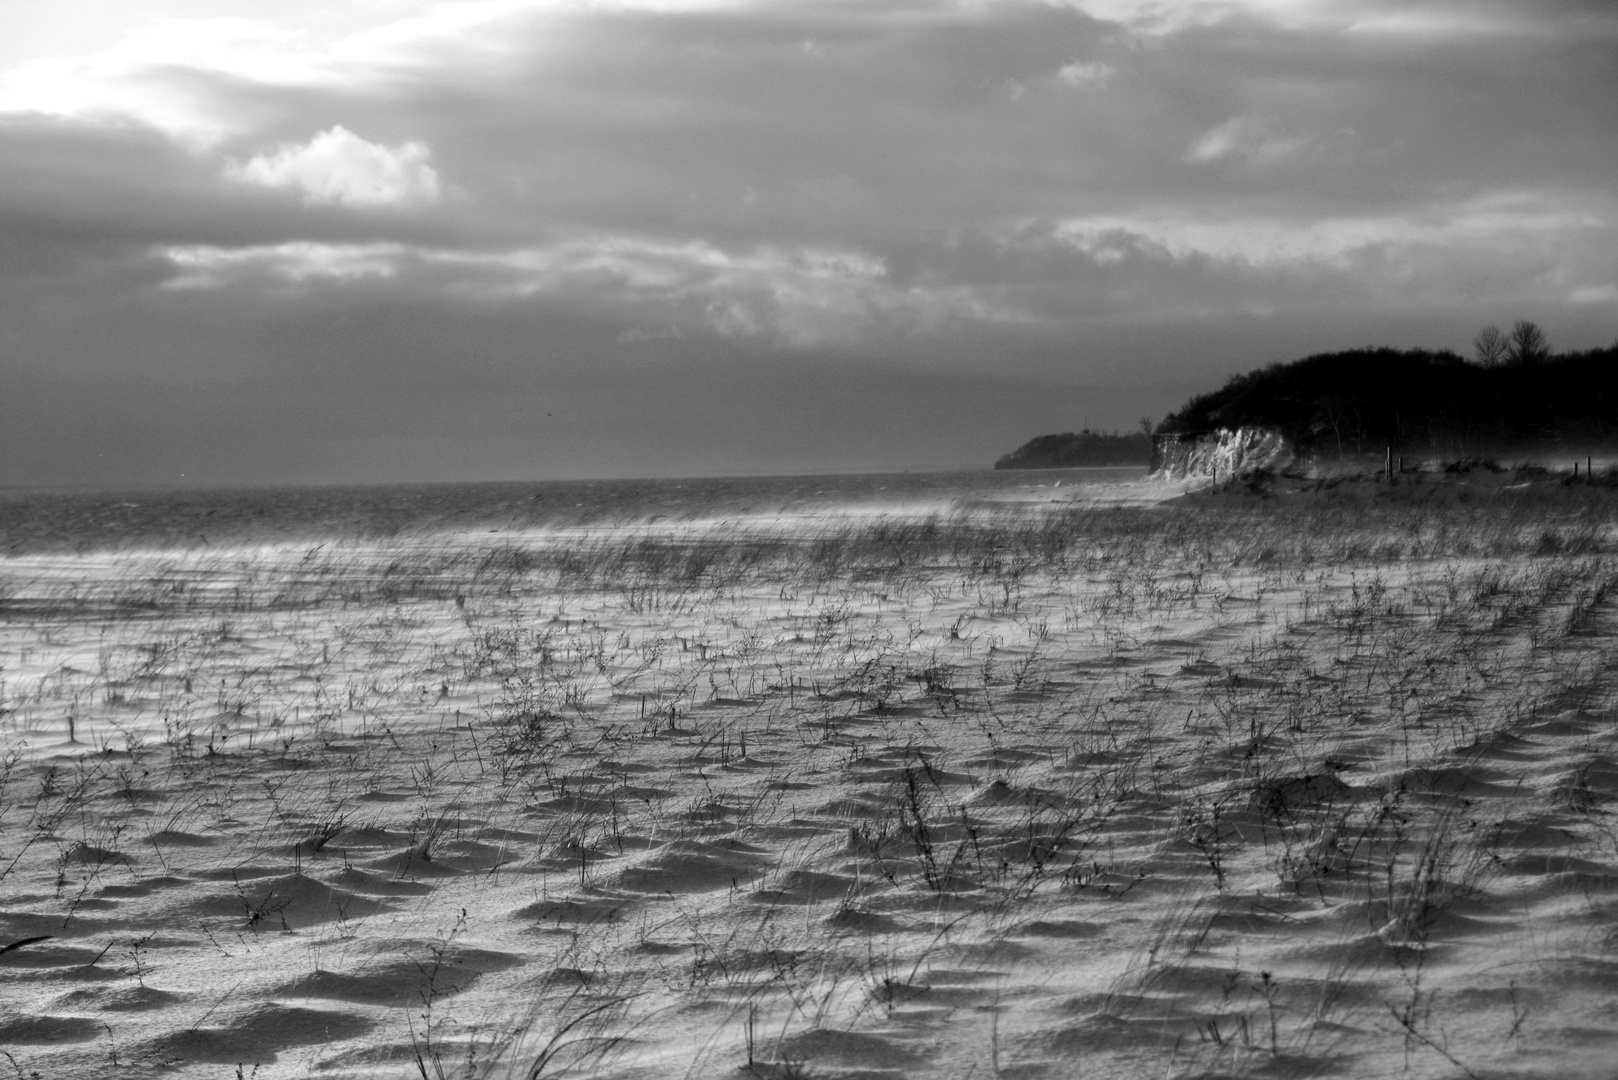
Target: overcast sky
{"type": "Point", "coordinates": [328, 240]}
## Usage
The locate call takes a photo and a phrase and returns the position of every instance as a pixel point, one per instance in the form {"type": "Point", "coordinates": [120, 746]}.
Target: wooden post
{"type": "Point", "coordinates": [1589, 470]}
{"type": "Point", "coordinates": [1387, 465]}
{"type": "Point", "coordinates": [1575, 470]}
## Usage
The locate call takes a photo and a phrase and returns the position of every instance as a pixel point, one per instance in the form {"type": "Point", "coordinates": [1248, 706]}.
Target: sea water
{"type": "Point", "coordinates": [131, 615]}
{"type": "Point", "coordinates": [59, 520]}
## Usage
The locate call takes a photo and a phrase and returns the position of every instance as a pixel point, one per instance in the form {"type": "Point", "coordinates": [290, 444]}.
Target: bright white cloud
{"type": "Point", "coordinates": [1170, 16]}
{"type": "Point", "coordinates": [799, 297]}
{"type": "Point", "coordinates": [205, 266]}
{"type": "Point", "coordinates": [1447, 21]}
{"type": "Point", "coordinates": [1435, 20]}
{"type": "Point", "coordinates": [165, 71]}
{"type": "Point", "coordinates": [135, 79]}
{"type": "Point", "coordinates": [1086, 76]}
{"type": "Point", "coordinates": [1496, 219]}
{"type": "Point", "coordinates": [1505, 243]}
{"type": "Point", "coordinates": [338, 166]}
{"type": "Point", "coordinates": [150, 73]}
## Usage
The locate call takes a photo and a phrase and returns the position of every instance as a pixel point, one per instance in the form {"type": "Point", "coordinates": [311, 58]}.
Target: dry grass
{"type": "Point", "coordinates": [1296, 785]}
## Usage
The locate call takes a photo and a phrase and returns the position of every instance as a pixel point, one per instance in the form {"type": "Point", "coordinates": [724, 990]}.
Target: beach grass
{"type": "Point", "coordinates": [1263, 781]}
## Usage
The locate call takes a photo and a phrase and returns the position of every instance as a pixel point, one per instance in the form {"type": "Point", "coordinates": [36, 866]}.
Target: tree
{"type": "Point", "coordinates": [1146, 426]}
{"type": "Point", "coordinates": [1490, 346]}
{"type": "Point", "coordinates": [1527, 344]}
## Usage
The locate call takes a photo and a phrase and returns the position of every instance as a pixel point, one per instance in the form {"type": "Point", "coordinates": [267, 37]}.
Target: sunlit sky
{"type": "Point", "coordinates": [379, 240]}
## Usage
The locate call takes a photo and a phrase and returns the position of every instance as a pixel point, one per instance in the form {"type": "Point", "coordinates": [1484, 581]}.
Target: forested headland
{"type": "Point", "coordinates": [1367, 400]}
{"type": "Point", "coordinates": [1079, 449]}
{"type": "Point", "coordinates": [1514, 395]}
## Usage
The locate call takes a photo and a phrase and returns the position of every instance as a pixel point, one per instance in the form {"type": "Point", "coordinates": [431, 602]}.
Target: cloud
{"type": "Point", "coordinates": [1218, 142]}
{"type": "Point", "coordinates": [1434, 20]}
{"type": "Point", "coordinates": [180, 76]}
{"type": "Point", "coordinates": [1086, 76]}
{"type": "Point", "coordinates": [337, 166]}
{"type": "Point", "coordinates": [801, 298]}
{"type": "Point", "coordinates": [1036, 279]}
{"type": "Point", "coordinates": [203, 266]}
{"type": "Point", "coordinates": [1256, 144]}
{"type": "Point", "coordinates": [1039, 276]}
{"type": "Point", "coordinates": [799, 186]}
{"type": "Point", "coordinates": [1503, 246]}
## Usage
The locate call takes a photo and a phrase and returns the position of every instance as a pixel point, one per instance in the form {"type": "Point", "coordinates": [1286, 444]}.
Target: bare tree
{"type": "Point", "coordinates": [1490, 346]}
{"type": "Point", "coordinates": [1527, 344]}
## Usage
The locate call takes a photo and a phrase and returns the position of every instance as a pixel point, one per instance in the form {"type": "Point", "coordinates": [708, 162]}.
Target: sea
{"type": "Point", "coordinates": [47, 520]}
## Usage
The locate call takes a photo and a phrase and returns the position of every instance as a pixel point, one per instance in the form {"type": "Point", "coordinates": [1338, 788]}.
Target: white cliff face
{"type": "Point", "coordinates": [1225, 453]}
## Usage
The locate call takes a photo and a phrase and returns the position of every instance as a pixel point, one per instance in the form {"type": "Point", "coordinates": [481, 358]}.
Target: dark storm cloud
{"type": "Point", "coordinates": [762, 200]}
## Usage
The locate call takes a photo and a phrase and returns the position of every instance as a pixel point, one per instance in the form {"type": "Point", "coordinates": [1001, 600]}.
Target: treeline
{"type": "Point", "coordinates": [1080, 448]}
{"type": "Point", "coordinates": [1364, 400]}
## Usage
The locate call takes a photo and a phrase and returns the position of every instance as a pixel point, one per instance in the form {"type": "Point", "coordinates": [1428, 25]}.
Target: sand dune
{"type": "Point", "coordinates": [1225, 787]}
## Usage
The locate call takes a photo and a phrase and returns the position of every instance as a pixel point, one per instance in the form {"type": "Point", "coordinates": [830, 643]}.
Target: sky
{"type": "Point", "coordinates": [318, 241]}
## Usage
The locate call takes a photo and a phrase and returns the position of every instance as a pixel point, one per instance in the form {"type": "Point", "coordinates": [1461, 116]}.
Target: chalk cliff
{"type": "Point", "coordinates": [1223, 453]}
